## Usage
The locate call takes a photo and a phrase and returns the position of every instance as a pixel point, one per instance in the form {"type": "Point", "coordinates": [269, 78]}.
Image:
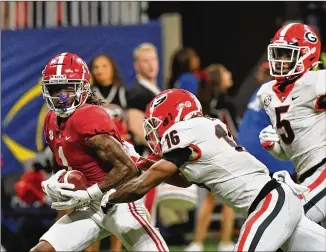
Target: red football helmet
{"type": "Point", "coordinates": [166, 109]}
{"type": "Point", "coordinates": [70, 70]}
{"type": "Point", "coordinates": [294, 50]}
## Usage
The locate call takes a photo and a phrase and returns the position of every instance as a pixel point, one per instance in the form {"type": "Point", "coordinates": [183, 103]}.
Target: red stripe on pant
{"type": "Point", "coordinates": [149, 199]}
{"type": "Point", "coordinates": [317, 182]}
{"type": "Point", "coordinates": [149, 226]}
{"type": "Point", "coordinates": [252, 220]}
{"type": "Point", "coordinates": [146, 227]}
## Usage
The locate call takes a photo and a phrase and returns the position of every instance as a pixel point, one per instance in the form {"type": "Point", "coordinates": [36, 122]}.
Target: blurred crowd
{"type": "Point", "coordinates": [25, 210]}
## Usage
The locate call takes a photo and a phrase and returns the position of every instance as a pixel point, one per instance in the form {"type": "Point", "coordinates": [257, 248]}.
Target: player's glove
{"type": "Point", "coordinates": [268, 138]}
{"type": "Point", "coordinates": [130, 149]}
{"type": "Point", "coordinates": [78, 199]}
{"type": "Point", "coordinates": [105, 204]}
{"type": "Point", "coordinates": [52, 187]}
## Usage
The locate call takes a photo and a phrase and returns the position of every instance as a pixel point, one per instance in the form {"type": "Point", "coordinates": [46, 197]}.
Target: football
{"type": "Point", "coordinates": [74, 177]}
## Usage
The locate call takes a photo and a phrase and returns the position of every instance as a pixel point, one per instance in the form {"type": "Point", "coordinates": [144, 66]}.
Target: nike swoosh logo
{"type": "Point", "coordinates": [293, 98]}
{"type": "Point", "coordinates": [67, 138]}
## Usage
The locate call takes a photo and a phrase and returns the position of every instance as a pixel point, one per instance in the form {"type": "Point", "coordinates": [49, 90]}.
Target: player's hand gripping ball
{"type": "Point", "coordinates": [82, 195]}
{"type": "Point", "coordinates": [52, 187]}
{"type": "Point", "coordinates": [74, 177]}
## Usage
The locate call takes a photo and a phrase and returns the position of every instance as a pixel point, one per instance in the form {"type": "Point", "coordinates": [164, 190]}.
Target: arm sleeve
{"type": "Point", "coordinates": [45, 128]}
{"type": "Point", "coordinates": [259, 96]}
{"type": "Point", "coordinates": [178, 156]}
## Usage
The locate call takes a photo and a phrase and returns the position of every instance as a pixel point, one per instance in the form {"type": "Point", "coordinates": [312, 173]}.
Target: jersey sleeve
{"type": "Point", "coordinates": [46, 127]}
{"type": "Point", "coordinates": [178, 156]}
{"type": "Point", "coordinates": [94, 121]}
{"type": "Point", "coordinates": [259, 96]}
{"type": "Point", "coordinates": [179, 136]}
{"type": "Point", "coordinates": [321, 83]}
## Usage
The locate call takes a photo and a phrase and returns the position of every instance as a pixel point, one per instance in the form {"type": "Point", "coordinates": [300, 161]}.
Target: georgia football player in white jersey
{"type": "Point", "coordinates": [203, 150]}
{"type": "Point", "coordinates": [296, 103]}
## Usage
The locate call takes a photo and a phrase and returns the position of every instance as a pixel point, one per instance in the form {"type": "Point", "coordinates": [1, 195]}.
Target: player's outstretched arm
{"type": "Point", "coordinates": [177, 179]}
{"type": "Point", "coordinates": [137, 188]}
{"type": "Point", "coordinates": [109, 150]}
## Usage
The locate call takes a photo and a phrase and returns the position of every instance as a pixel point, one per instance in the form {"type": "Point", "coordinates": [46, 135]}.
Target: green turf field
{"type": "Point", "coordinates": [210, 245]}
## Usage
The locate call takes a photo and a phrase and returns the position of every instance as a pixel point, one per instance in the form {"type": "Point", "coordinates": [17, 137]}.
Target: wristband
{"type": "Point", "coordinates": [94, 191]}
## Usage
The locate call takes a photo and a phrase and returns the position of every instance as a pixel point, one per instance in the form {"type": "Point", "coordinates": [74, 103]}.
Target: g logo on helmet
{"type": "Point", "coordinates": [267, 100]}
{"type": "Point", "coordinates": [159, 100]}
{"type": "Point", "coordinates": [311, 37]}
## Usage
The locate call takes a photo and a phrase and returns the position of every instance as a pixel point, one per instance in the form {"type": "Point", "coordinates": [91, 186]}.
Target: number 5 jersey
{"type": "Point", "coordinates": [295, 113]}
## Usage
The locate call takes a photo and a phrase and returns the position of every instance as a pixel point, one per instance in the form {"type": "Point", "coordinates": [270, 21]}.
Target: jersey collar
{"type": "Point", "coordinates": [146, 84]}
{"type": "Point", "coordinates": [282, 92]}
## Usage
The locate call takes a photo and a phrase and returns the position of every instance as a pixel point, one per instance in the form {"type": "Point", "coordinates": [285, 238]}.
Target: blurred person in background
{"type": "Point", "coordinates": [221, 104]}
{"type": "Point", "coordinates": [119, 118]}
{"type": "Point", "coordinates": [186, 74]}
{"type": "Point", "coordinates": [21, 209]}
{"type": "Point", "coordinates": [255, 120]}
{"type": "Point", "coordinates": [184, 68]}
{"type": "Point", "coordinates": [146, 64]}
{"type": "Point", "coordinates": [217, 104]}
{"type": "Point", "coordinates": [107, 82]}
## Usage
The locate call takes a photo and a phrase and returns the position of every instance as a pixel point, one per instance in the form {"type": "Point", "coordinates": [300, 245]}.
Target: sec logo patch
{"type": "Point", "coordinates": [267, 100]}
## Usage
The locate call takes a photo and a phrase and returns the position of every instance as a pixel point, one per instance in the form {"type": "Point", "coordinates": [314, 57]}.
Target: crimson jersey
{"type": "Point", "coordinates": [68, 142]}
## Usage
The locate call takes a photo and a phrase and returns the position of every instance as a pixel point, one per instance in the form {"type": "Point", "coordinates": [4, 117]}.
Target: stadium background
{"type": "Point", "coordinates": [232, 33]}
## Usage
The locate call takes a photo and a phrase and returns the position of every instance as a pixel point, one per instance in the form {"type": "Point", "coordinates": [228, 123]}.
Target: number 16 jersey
{"type": "Point", "coordinates": [292, 112]}
{"type": "Point", "coordinates": [232, 175]}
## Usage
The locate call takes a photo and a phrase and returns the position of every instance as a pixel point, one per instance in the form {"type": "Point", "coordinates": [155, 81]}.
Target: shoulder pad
{"type": "Point", "coordinates": [91, 120]}
{"type": "Point", "coordinates": [180, 135]}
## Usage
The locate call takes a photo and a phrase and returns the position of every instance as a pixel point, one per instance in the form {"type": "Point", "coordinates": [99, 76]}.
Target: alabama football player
{"type": "Point", "coordinates": [204, 151]}
{"type": "Point", "coordinates": [83, 137]}
{"type": "Point", "coordinates": [296, 103]}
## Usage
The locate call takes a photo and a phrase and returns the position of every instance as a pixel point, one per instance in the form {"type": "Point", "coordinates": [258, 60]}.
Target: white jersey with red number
{"type": "Point", "coordinates": [232, 175]}
{"type": "Point", "coordinates": [301, 128]}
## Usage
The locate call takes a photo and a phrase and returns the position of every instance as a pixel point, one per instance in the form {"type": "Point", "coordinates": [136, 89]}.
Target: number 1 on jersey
{"type": "Point", "coordinates": [63, 158]}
